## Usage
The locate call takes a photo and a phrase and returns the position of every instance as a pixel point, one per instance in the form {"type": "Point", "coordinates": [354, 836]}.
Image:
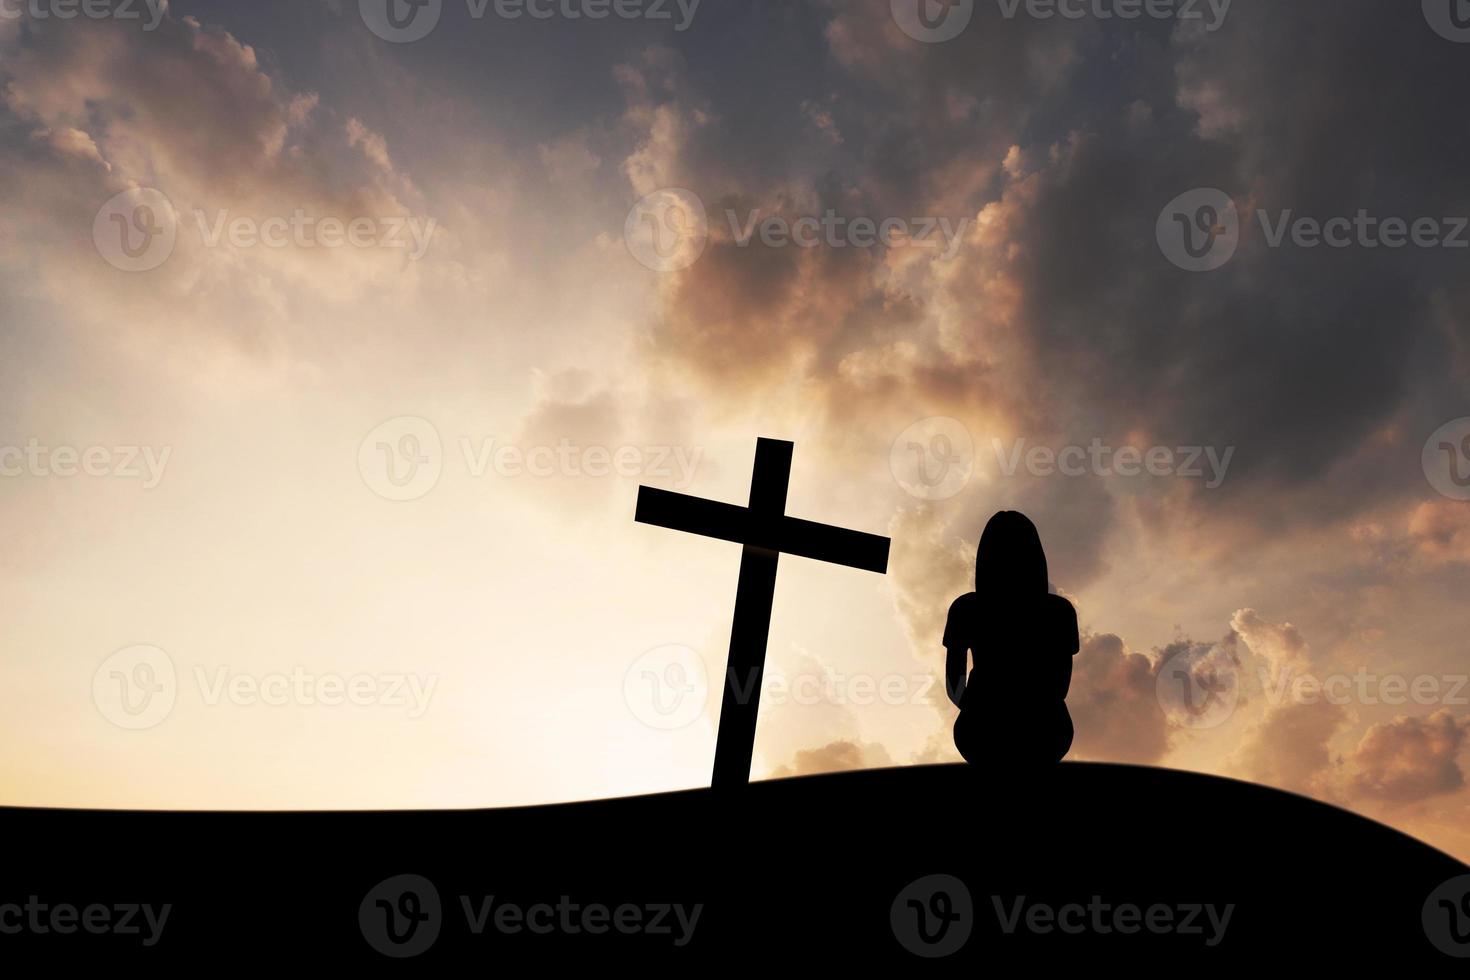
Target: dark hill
{"type": "Point", "coordinates": [798, 870]}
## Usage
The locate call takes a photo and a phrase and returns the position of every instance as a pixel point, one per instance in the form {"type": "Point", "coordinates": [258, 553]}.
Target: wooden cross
{"type": "Point", "coordinates": [765, 531]}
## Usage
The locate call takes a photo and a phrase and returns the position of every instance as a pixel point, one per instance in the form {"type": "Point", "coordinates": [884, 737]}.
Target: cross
{"type": "Point", "coordinates": [766, 532]}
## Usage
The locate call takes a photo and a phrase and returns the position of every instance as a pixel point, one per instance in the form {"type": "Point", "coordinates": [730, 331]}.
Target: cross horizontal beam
{"type": "Point", "coordinates": [781, 534]}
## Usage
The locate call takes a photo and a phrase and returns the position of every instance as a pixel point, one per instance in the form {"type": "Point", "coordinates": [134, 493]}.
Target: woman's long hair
{"type": "Point", "coordinates": [1010, 560]}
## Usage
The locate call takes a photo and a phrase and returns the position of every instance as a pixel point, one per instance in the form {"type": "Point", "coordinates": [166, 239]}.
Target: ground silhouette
{"type": "Point", "coordinates": [816, 869]}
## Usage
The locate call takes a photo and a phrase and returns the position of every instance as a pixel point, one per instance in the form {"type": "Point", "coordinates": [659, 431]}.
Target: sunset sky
{"type": "Point", "coordinates": [345, 458]}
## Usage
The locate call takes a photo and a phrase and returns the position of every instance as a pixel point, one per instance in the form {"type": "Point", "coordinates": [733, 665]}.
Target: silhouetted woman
{"type": "Point", "coordinates": [1013, 709]}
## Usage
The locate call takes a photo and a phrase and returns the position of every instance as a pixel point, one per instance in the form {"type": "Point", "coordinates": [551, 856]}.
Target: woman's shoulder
{"type": "Point", "coordinates": [959, 625]}
{"type": "Point", "coordinates": [1060, 606]}
{"type": "Point", "coordinates": [962, 610]}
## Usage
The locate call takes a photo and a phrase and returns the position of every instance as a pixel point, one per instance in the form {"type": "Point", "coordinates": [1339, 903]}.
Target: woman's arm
{"type": "Point", "coordinates": [956, 647]}
{"type": "Point", "coordinates": [955, 664]}
{"type": "Point", "coordinates": [1068, 642]}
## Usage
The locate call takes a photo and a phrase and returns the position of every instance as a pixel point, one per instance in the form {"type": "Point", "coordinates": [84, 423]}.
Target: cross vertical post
{"type": "Point", "coordinates": [754, 595]}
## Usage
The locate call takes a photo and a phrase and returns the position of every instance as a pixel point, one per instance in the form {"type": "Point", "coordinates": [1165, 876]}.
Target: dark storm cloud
{"type": "Point", "coordinates": [1293, 355]}
{"type": "Point", "coordinates": [1301, 358]}
{"type": "Point", "coordinates": [1297, 357]}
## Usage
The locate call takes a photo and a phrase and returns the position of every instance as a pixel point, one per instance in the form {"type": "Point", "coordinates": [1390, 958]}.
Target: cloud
{"type": "Point", "coordinates": [1410, 759]}
{"type": "Point", "coordinates": [1114, 703]}
{"type": "Point", "coordinates": [939, 749]}
{"type": "Point", "coordinates": [568, 159]}
{"type": "Point", "coordinates": [1289, 748]}
{"type": "Point", "coordinates": [1288, 744]}
{"type": "Point", "coordinates": [804, 706]}
{"type": "Point", "coordinates": [372, 144]}
{"type": "Point", "coordinates": [190, 111]}
{"type": "Point", "coordinates": [821, 120]}
{"type": "Point", "coordinates": [587, 441]}
{"type": "Point", "coordinates": [1440, 531]}
{"type": "Point", "coordinates": [929, 568]}
{"type": "Point", "coordinates": [835, 757]}
{"type": "Point", "coordinates": [1059, 318]}
{"type": "Point", "coordinates": [1279, 645]}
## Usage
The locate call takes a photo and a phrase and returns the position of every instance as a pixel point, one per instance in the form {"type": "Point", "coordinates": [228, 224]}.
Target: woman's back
{"type": "Point", "coordinates": [1022, 646]}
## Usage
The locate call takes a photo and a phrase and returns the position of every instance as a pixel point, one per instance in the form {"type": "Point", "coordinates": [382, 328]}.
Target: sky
{"type": "Point", "coordinates": [334, 348]}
